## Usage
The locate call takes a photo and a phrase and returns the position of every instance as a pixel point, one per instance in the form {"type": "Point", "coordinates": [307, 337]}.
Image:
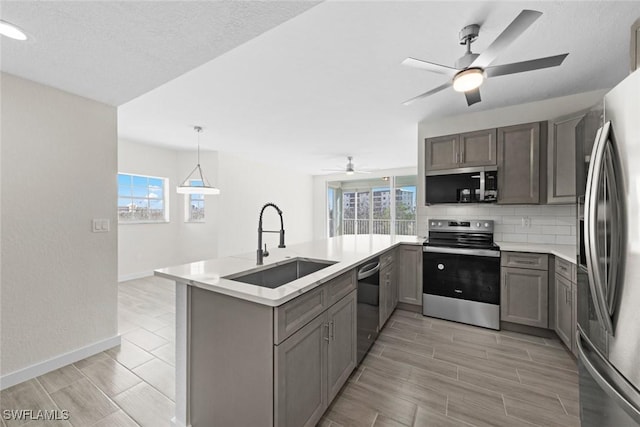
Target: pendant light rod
{"type": "Point", "coordinates": [187, 187]}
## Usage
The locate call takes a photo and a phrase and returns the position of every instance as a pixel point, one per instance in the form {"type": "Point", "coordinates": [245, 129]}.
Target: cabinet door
{"type": "Point", "coordinates": [342, 343]}
{"type": "Point", "coordinates": [564, 312]}
{"type": "Point", "coordinates": [384, 295]}
{"type": "Point", "coordinates": [441, 153]}
{"type": "Point", "coordinates": [574, 318]}
{"type": "Point", "coordinates": [394, 288]}
{"type": "Point", "coordinates": [409, 263]}
{"type": "Point", "coordinates": [524, 296]}
{"type": "Point", "coordinates": [520, 164]}
{"type": "Point", "coordinates": [561, 160]}
{"type": "Point", "coordinates": [301, 375]}
{"type": "Point", "coordinates": [478, 148]}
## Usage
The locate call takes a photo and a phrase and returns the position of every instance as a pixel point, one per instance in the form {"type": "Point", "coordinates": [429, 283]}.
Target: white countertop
{"type": "Point", "coordinates": [347, 251]}
{"type": "Point", "coordinates": [566, 252]}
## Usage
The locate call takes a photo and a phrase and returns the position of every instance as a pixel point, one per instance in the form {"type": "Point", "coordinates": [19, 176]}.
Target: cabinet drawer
{"type": "Point", "coordinates": [564, 268]}
{"type": "Point", "coordinates": [293, 315]}
{"type": "Point", "coordinates": [386, 259]}
{"type": "Point", "coordinates": [525, 260]}
{"type": "Point", "coordinates": [340, 286]}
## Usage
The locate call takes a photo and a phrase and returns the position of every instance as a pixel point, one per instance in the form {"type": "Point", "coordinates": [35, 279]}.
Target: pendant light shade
{"type": "Point", "coordinates": [196, 182]}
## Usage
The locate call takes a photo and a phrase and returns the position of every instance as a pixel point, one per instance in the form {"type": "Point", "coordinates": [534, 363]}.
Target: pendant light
{"type": "Point", "coordinates": [189, 187]}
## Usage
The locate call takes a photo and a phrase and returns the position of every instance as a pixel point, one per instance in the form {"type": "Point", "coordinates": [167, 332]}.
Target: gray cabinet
{"type": "Point", "coordinates": [525, 291]}
{"type": "Point", "coordinates": [341, 360]}
{"type": "Point", "coordinates": [561, 160]}
{"type": "Point", "coordinates": [469, 149]}
{"type": "Point", "coordinates": [565, 303]}
{"type": "Point", "coordinates": [388, 286]}
{"type": "Point", "coordinates": [522, 159]}
{"type": "Point", "coordinates": [301, 375]}
{"type": "Point", "coordinates": [409, 274]}
{"type": "Point", "coordinates": [564, 311]}
{"type": "Point", "coordinates": [314, 363]}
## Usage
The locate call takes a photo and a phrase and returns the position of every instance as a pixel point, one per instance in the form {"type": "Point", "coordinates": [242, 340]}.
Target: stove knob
{"type": "Point", "coordinates": [486, 224]}
{"type": "Point", "coordinates": [477, 224]}
{"type": "Point", "coordinates": [433, 223]}
{"type": "Point", "coordinates": [439, 224]}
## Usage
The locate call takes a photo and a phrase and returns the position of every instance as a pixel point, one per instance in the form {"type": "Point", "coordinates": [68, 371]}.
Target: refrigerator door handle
{"type": "Point", "coordinates": [594, 181]}
{"type": "Point", "coordinates": [618, 229]}
{"type": "Point", "coordinates": [606, 376]}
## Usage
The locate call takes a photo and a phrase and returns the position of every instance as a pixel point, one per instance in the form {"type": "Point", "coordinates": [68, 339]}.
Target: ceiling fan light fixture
{"type": "Point", "coordinates": [468, 79]}
{"type": "Point", "coordinates": [12, 31]}
{"type": "Point", "coordinates": [196, 182]}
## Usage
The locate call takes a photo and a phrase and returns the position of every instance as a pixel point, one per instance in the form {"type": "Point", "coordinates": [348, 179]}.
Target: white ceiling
{"type": "Point", "coordinates": [328, 83]}
{"type": "Point", "coordinates": [114, 51]}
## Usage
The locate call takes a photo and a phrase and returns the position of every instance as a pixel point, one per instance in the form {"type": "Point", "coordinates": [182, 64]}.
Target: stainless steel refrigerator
{"type": "Point", "coordinates": [608, 189]}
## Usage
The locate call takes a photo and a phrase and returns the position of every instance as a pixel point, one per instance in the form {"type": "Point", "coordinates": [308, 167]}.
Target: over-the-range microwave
{"type": "Point", "coordinates": [464, 185]}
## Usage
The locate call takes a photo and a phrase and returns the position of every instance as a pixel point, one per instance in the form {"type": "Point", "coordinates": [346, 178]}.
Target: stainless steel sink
{"type": "Point", "coordinates": [281, 273]}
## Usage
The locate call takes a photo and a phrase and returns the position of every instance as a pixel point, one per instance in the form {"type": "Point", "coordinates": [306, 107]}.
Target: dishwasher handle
{"type": "Point", "coordinates": [368, 270]}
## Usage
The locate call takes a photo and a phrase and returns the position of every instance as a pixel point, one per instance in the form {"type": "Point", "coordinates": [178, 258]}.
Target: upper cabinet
{"type": "Point", "coordinates": [469, 149]}
{"type": "Point", "coordinates": [635, 45]}
{"type": "Point", "coordinates": [522, 158]}
{"type": "Point", "coordinates": [561, 170]}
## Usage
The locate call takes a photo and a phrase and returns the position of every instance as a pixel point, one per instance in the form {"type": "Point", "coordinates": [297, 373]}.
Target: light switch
{"type": "Point", "coordinates": [100, 225]}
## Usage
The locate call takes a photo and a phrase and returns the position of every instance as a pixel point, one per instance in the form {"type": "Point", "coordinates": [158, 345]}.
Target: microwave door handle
{"type": "Point", "coordinates": [482, 185]}
{"type": "Point", "coordinates": [594, 183]}
{"type": "Point", "coordinates": [618, 228]}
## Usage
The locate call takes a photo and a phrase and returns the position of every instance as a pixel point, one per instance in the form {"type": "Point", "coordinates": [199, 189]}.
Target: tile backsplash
{"type": "Point", "coordinates": [551, 224]}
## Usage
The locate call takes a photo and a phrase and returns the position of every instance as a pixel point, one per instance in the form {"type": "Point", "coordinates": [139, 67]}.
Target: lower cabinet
{"type": "Point", "coordinates": [409, 274]}
{"type": "Point", "coordinates": [312, 365]}
{"type": "Point", "coordinates": [525, 291]}
{"type": "Point", "coordinates": [564, 310]}
{"type": "Point", "coordinates": [388, 288]}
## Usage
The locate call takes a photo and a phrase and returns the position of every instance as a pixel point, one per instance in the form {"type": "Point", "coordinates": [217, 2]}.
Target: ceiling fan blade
{"type": "Point", "coordinates": [361, 171]}
{"type": "Point", "coordinates": [473, 96]}
{"type": "Point", "coordinates": [424, 95]}
{"type": "Point", "coordinates": [521, 67]}
{"type": "Point", "coordinates": [430, 66]}
{"type": "Point", "coordinates": [508, 36]}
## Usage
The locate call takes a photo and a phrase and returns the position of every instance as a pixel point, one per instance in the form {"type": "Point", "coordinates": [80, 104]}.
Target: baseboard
{"type": "Point", "coordinates": [65, 359]}
{"type": "Point", "coordinates": [134, 276]}
{"type": "Point", "coordinates": [410, 307]}
{"type": "Point", "coordinates": [525, 329]}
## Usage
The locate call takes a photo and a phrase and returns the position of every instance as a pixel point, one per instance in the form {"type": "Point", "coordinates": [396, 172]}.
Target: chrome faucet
{"type": "Point", "coordinates": [263, 253]}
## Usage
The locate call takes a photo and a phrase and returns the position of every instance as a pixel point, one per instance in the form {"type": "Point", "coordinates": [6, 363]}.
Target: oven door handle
{"type": "Point", "coordinates": [462, 251]}
{"type": "Point", "coordinates": [368, 270]}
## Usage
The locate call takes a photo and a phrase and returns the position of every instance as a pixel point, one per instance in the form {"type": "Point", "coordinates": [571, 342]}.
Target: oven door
{"type": "Point", "coordinates": [465, 274]}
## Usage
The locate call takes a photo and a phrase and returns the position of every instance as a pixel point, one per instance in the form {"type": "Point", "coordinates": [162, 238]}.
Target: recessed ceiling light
{"type": "Point", "coordinates": [12, 31]}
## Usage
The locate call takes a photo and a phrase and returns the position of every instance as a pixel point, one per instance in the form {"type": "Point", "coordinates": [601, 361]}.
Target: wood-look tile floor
{"type": "Point", "coordinates": [430, 372]}
{"type": "Point", "coordinates": [420, 372]}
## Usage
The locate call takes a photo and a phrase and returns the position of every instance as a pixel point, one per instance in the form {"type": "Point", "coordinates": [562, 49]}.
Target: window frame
{"type": "Point", "coordinates": [165, 200]}
{"type": "Point", "coordinates": [188, 198]}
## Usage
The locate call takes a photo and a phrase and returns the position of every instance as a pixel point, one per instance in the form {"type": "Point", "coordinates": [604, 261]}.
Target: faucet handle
{"type": "Point", "coordinates": [265, 252]}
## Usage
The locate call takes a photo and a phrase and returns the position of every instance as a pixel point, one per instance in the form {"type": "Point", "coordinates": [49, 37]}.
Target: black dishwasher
{"type": "Point", "coordinates": [368, 305]}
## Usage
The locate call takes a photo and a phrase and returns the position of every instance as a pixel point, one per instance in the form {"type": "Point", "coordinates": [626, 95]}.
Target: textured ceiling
{"type": "Point", "coordinates": [316, 88]}
{"type": "Point", "coordinates": [114, 51]}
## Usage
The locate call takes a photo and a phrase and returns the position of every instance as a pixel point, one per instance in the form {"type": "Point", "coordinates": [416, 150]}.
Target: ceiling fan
{"type": "Point", "coordinates": [349, 169]}
{"type": "Point", "coordinates": [471, 69]}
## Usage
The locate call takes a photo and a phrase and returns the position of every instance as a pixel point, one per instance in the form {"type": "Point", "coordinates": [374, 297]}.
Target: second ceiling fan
{"type": "Point", "coordinates": [471, 69]}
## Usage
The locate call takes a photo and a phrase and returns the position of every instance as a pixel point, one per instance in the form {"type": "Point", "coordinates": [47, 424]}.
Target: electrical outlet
{"type": "Point", "coordinates": [526, 222]}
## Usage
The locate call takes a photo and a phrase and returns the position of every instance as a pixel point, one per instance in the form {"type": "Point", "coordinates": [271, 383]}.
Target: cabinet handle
{"type": "Point", "coordinates": [333, 331]}
{"type": "Point", "coordinates": [504, 280]}
{"type": "Point", "coordinates": [327, 337]}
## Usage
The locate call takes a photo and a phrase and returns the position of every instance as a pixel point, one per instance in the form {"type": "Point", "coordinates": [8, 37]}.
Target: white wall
{"type": "Point", "coordinates": [245, 187]}
{"type": "Point", "coordinates": [320, 193]}
{"type": "Point", "coordinates": [548, 224]}
{"type": "Point", "coordinates": [231, 217]}
{"type": "Point", "coordinates": [59, 284]}
{"type": "Point", "coordinates": [145, 247]}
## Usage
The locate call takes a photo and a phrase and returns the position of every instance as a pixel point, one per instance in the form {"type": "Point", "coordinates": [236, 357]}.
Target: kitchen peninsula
{"type": "Point", "coordinates": [232, 338]}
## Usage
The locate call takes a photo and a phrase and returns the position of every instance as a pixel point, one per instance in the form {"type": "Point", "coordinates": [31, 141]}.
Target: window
{"type": "Point", "coordinates": [194, 204]}
{"type": "Point", "coordinates": [373, 206]}
{"type": "Point", "coordinates": [142, 199]}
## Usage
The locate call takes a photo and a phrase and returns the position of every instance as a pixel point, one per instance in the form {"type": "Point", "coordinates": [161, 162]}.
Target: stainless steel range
{"type": "Point", "coordinates": [461, 272]}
